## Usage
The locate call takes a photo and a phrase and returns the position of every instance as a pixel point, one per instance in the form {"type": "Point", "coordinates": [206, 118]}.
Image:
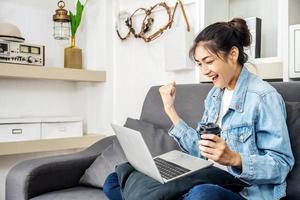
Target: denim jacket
{"type": "Point", "coordinates": [254, 126]}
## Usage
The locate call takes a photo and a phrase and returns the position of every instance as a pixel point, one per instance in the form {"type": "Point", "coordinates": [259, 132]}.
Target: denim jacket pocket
{"type": "Point", "coordinates": [241, 138]}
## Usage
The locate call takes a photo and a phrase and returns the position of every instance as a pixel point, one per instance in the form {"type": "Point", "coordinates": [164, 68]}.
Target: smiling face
{"type": "Point", "coordinates": [222, 70]}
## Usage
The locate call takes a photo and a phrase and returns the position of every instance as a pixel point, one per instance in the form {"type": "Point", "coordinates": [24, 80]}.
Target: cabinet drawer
{"type": "Point", "coordinates": [61, 129]}
{"type": "Point", "coordinates": [19, 132]}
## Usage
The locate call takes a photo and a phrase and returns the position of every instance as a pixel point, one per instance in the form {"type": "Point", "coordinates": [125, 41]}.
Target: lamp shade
{"type": "Point", "coordinates": [61, 31]}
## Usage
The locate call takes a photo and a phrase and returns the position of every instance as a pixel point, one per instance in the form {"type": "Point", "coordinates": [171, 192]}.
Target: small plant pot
{"type": "Point", "coordinates": [73, 58]}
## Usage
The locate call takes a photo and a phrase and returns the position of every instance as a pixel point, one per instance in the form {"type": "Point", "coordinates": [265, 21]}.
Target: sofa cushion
{"type": "Point", "coordinates": [157, 139]}
{"type": "Point", "coordinates": [293, 123]}
{"type": "Point", "coordinates": [104, 164]}
{"type": "Point", "coordinates": [137, 186]}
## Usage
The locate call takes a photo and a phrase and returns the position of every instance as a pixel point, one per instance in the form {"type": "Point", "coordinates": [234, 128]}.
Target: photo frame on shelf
{"type": "Point", "coordinates": [294, 50]}
{"type": "Point", "coordinates": [254, 25]}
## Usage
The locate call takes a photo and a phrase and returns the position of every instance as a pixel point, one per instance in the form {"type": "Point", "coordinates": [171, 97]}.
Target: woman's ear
{"type": "Point", "coordinates": [234, 54]}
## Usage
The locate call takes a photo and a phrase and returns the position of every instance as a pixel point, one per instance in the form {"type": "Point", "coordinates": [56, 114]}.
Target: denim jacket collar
{"type": "Point", "coordinates": [238, 97]}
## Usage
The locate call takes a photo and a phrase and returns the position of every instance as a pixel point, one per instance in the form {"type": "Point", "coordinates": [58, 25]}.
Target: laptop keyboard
{"type": "Point", "coordinates": [168, 169]}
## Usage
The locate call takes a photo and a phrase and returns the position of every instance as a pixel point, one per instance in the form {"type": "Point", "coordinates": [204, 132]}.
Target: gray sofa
{"type": "Point", "coordinates": [57, 177]}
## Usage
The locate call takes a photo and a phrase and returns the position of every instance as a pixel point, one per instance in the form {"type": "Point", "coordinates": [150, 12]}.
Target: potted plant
{"type": "Point", "coordinates": [73, 54]}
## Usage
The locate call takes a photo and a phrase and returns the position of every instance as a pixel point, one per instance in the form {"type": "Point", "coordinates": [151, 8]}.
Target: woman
{"type": "Point", "coordinates": [254, 144]}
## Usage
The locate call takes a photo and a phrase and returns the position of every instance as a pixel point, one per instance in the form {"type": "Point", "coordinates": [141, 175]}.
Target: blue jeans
{"type": "Point", "coordinates": [211, 192]}
{"type": "Point", "coordinates": [111, 189]}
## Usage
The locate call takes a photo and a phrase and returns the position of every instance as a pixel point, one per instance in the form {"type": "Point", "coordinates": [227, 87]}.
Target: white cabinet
{"type": "Point", "coordinates": [14, 129]}
{"type": "Point", "coordinates": [276, 15]}
{"type": "Point", "coordinates": [19, 132]}
{"type": "Point", "coordinates": [61, 128]}
{"type": "Point", "coordinates": [294, 61]}
{"type": "Point", "coordinates": [24, 129]}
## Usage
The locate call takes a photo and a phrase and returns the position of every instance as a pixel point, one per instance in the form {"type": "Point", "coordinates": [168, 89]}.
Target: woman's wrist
{"type": "Point", "coordinates": [172, 114]}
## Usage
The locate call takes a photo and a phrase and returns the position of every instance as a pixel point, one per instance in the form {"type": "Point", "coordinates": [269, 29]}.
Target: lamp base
{"type": "Point", "coordinates": [73, 58]}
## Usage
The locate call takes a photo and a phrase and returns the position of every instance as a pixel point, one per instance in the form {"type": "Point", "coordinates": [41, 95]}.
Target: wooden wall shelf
{"type": "Point", "coordinates": [50, 73]}
{"type": "Point", "coordinates": [267, 68]}
{"type": "Point", "coordinates": [33, 146]}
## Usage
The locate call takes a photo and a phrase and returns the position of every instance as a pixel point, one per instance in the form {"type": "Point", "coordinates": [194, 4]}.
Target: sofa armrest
{"type": "Point", "coordinates": [31, 178]}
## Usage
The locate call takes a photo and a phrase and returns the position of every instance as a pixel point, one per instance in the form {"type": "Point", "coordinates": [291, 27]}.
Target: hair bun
{"type": "Point", "coordinates": [241, 29]}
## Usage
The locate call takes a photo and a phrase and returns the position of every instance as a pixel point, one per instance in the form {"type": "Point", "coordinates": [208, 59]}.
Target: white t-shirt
{"type": "Point", "coordinates": [226, 99]}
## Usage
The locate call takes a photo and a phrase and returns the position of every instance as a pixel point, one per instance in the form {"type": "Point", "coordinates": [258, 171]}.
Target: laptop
{"type": "Point", "coordinates": [163, 168]}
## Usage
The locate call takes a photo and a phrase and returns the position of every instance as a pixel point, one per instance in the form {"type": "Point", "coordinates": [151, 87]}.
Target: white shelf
{"type": "Point", "coordinates": [50, 73]}
{"type": "Point", "coordinates": [267, 68]}
{"type": "Point", "coordinates": [33, 146]}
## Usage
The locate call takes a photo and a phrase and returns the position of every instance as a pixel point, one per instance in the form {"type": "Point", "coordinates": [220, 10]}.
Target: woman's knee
{"type": "Point", "coordinates": [111, 183]}
{"type": "Point", "coordinates": [203, 192]}
{"type": "Point", "coordinates": [211, 192]}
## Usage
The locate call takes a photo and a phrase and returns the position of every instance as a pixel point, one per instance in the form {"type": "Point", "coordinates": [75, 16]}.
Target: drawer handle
{"type": "Point", "coordinates": [16, 131]}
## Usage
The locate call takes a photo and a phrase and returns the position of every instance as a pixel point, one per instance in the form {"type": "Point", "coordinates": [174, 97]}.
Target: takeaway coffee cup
{"type": "Point", "coordinates": [209, 128]}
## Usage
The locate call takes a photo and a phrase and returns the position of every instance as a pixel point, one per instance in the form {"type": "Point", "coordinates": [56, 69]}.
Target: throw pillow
{"type": "Point", "coordinates": [137, 186]}
{"type": "Point", "coordinates": [104, 164]}
{"type": "Point", "coordinates": [293, 123]}
{"type": "Point", "coordinates": [157, 139]}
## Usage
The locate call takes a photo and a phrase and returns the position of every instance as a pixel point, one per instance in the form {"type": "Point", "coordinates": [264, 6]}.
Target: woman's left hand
{"type": "Point", "coordinates": [215, 148]}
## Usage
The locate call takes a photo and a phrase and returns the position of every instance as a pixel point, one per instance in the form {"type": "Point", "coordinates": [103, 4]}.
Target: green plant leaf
{"type": "Point", "coordinates": [73, 23]}
{"type": "Point", "coordinates": [76, 19]}
{"type": "Point", "coordinates": [79, 10]}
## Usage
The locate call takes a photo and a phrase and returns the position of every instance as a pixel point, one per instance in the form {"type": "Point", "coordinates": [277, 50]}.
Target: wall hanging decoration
{"type": "Point", "coordinates": [148, 21]}
{"type": "Point", "coordinates": [119, 23]}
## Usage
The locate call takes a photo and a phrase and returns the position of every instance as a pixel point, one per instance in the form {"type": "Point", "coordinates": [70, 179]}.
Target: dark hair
{"type": "Point", "coordinates": [220, 37]}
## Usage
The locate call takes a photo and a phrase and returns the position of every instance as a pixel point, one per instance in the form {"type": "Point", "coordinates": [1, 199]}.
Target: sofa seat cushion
{"type": "Point", "coordinates": [75, 193]}
{"type": "Point", "coordinates": [293, 123]}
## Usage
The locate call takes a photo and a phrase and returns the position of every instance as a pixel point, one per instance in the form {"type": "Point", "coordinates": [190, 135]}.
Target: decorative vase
{"type": "Point", "coordinates": [73, 56]}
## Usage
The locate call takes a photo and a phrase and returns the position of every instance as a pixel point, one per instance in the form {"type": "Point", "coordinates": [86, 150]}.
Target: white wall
{"type": "Point", "coordinates": [140, 65]}
{"type": "Point", "coordinates": [97, 40]}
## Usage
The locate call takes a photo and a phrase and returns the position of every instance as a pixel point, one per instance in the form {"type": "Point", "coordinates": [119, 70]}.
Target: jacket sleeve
{"type": "Point", "coordinates": [186, 137]}
{"type": "Point", "coordinates": [275, 158]}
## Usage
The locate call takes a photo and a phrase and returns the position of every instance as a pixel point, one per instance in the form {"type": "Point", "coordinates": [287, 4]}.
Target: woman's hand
{"type": "Point", "coordinates": [216, 149]}
{"type": "Point", "coordinates": [168, 93]}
